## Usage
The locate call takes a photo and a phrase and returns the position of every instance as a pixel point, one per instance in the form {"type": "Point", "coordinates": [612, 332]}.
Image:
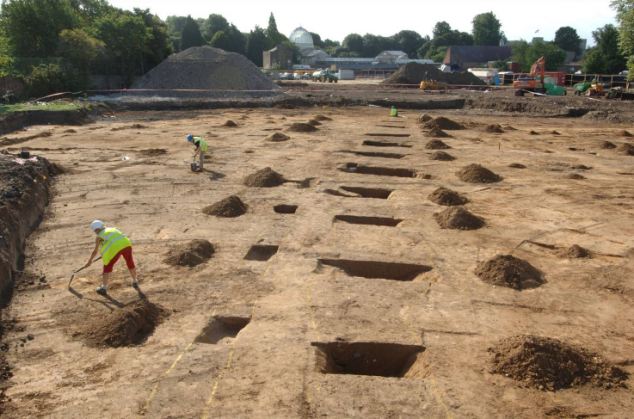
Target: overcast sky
{"type": "Point", "coordinates": [336, 18]}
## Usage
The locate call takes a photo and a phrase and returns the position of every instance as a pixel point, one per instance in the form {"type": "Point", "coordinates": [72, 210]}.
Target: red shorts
{"type": "Point", "coordinates": [127, 255]}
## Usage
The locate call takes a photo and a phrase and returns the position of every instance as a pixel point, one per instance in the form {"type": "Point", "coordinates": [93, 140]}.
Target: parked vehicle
{"type": "Point", "coordinates": [325, 76]}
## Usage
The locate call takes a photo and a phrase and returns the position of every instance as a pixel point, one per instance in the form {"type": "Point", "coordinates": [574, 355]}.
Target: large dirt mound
{"type": "Point", "coordinates": [474, 173]}
{"type": "Point", "coordinates": [627, 149]}
{"type": "Point", "coordinates": [265, 178]}
{"type": "Point", "coordinates": [549, 364]}
{"type": "Point", "coordinates": [414, 73]}
{"type": "Point", "coordinates": [447, 197]}
{"type": "Point", "coordinates": [494, 128]}
{"type": "Point", "coordinates": [442, 156]}
{"type": "Point", "coordinates": [128, 326]}
{"type": "Point", "coordinates": [301, 127]}
{"type": "Point", "coordinates": [509, 271]}
{"type": "Point", "coordinates": [437, 145]}
{"type": "Point", "coordinates": [437, 133]}
{"type": "Point", "coordinates": [189, 254]}
{"type": "Point", "coordinates": [277, 137]}
{"type": "Point", "coordinates": [576, 252]}
{"type": "Point", "coordinates": [443, 123]}
{"type": "Point", "coordinates": [229, 207]}
{"type": "Point", "coordinates": [458, 218]}
{"type": "Point", "coordinates": [205, 68]}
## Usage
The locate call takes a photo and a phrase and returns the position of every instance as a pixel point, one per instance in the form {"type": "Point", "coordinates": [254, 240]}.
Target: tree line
{"type": "Point", "coordinates": [56, 45]}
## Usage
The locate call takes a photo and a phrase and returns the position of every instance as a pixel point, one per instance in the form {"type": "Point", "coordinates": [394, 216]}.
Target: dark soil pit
{"type": "Point", "coordinates": [627, 149]}
{"type": "Point", "coordinates": [475, 173]}
{"type": "Point", "coordinates": [436, 145]}
{"type": "Point", "coordinates": [229, 207]}
{"type": "Point", "coordinates": [128, 326]}
{"type": "Point", "coordinates": [261, 252]}
{"type": "Point", "coordinates": [377, 270]}
{"type": "Point", "coordinates": [494, 129]}
{"type": "Point", "coordinates": [230, 124]}
{"type": "Point", "coordinates": [153, 152]}
{"type": "Point", "coordinates": [190, 254]}
{"type": "Point", "coordinates": [374, 221]}
{"type": "Point", "coordinates": [509, 271]}
{"type": "Point", "coordinates": [581, 167]}
{"type": "Point", "coordinates": [285, 209]}
{"type": "Point", "coordinates": [322, 118]}
{"type": "Point", "coordinates": [377, 170]}
{"type": "Point", "coordinates": [391, 126]}
{"type": "Point", "coordinates": [517, 166]}
{"type": "Point", "coordinates": [378, 154]}
{"type": "Point", "coordinates": [301, 127]}
{"type": "Point", "coordinates": [437, 133]}
{"type": "Point", "coordinates": [444, 124]}
{"type": "Point", "coordinates": [447, 197]}
{"type": "Point", "coordinates": [376, 193]}
{"type": "Point", "coordinates": [458, 218]}
{"type": "Point", "coordinates": [366, 358]}
{"type": "Point", "coordinates": [278, 137]}
{"type": "Point", "coordinates": [222, 327]}
{"type": "Point", "coordinates": [265, 178]}
{"type": "Point", "coordinates": [441, 156]}
{"type": "Point", "coordinates": [371, 143]}
{"type": "Point", "coordinates": [550, 364]}
{"type": "Point", "coordinates": [607, 145]}
{"type": "Point", "coordinates": [532, 132]}
{"type": "Point", "coordinates": [387, 134]}
{"type": "Point", "coordinates": [576, 252]}
{"type": "Point", "coordinates": [575, 176]}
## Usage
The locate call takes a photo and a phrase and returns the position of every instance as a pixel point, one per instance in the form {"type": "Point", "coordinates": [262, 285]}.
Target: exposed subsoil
{"type": "Point", "coordinates": [190, 254]}
{"type": "Point", "coordinates": [458, 218]}
{"type": "Point", "coordinates": [229, 207]}
{"type": "Point", "coordinates": [265, 178]}
{"type": "Point", "coordinates": [475, 173]}
{"type": "Point", "coordinates": [509, 271]}
{"type": "Point", "coordinates": [447, 197]}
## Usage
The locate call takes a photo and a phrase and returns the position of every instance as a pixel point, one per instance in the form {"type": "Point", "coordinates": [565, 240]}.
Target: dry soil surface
{"type": "Point", "coordinates": [299, 313]}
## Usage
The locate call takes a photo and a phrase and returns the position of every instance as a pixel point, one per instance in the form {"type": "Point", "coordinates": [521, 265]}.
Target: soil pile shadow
{"type": "Point", "coordinates": [550, 364]}
{"type": "Point", "coordinates": [441, 156]}
{"type": "Point", "coordinates": [458, 218]}
{"type": "Point", "coordinates": [494, 129]}
{"type": "Point", "coordinates": [447, 197]}
{"type": "Point", "coordinates": [627, 149]}
{"type": "Point", "coordinates": [475, 173]}
{"type": "Point", "coordinates": [606, 145]}
{"type": "Point", "coordinates": [576, 252]}
{"type": "Point", "coordinates": [278, 137]}
{"type": "Point", "coordinates": [301, 127]}
{"type": "Point", "coordinates": [436, 145]}
{"type": "Point", "coordinates": [229, 207]}
{"type": "Point", "coordinates": [443, 123]}
{"type": "Point", "coordinates": [437, 133]}
{"type": "Point", "coordinates": [265, 178]}
{"type": "Point", "coordinates": [509, 271]}
{"type": "Point", "coordinates": [128, 326]}
{"type": "Point", "coordinates": [190, 254]}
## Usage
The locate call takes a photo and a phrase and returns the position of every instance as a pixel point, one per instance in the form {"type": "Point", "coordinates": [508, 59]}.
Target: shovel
{"type": "Point", "coordinates": [79, 270]}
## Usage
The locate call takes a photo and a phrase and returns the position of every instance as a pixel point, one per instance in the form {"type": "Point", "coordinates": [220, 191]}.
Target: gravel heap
{"type": "Point", "coordinates": [414, 73]}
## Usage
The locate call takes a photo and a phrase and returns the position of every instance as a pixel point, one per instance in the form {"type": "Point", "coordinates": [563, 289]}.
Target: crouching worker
{"type": "Point", "coordinates": [201, 148]}
{"type": "Point", "coordinates": [112, 244]}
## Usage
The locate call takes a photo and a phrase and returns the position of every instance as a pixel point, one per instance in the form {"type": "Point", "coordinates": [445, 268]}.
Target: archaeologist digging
{"type": "Point", "coordinates": [201, 148]}
{"type": "Point", "coordinates": [112, 244]}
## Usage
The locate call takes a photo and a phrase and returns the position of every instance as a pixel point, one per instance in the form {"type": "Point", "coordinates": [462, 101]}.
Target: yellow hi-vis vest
{"type": "Point", "coordinates": [201, 143]}
{"type": "Point", "coordinates": [113, 242]}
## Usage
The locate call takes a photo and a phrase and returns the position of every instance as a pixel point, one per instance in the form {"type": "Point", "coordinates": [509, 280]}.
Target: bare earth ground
{"type": "Point", "coordinates": [270, 368]}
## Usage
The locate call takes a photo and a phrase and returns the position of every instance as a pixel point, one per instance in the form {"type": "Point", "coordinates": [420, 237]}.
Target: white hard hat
{"type": "Point", "coordinates": [96, 225]}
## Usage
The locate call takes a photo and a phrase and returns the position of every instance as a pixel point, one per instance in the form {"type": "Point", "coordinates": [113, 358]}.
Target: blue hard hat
{"type": "Point", "coordinates": [190, 138]}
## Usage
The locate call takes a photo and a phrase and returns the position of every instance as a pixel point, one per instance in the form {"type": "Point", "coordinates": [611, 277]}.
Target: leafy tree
{"type": "Point", "coordinates": [158, 44]}
{"type": "Point", "coordinates": [605, 57]}
{"type": "Point", "coordinates": [190, 36]}
{"type": "Point", "coordinates": [79, 50]}
{"type": "Point", "coordinates": [229, 40]}
{"type": "Point", "coordinates": [317, 40]}
{"type": "Point", "coordinates": [486, 29]}
{"type": "Point", "coordinates": [554, 55]}
{"type": "Point", "coordinates": [273, 35]}
{"type": "Point", "coordinates": [567, 39]}
{"type": "Point", "coordinates": [625, 17]}
{"type": "Point", "coordinates": [46, 78]}
{"type": "Point", "coordinates": [444, 37]}
{"type": "Point", "coordinates": [441, 29]}
{"type": "Point", "coordinates": [213, 24]}
{"type": "Point", "coordinates": [353, 43]}
{"type": "Point", "coordinates": [255, 45]}
{"type": "Point", "coordinates": [408, 41]}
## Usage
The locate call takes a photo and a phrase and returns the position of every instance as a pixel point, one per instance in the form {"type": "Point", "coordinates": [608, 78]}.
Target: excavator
{"type": "Point", "coordinates": [537, 82]}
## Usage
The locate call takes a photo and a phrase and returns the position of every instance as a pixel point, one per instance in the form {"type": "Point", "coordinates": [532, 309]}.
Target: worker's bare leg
{"type": "Point", "coordinates": [133, 275]}
{"type": "Point", "coordinates": [105, 278]}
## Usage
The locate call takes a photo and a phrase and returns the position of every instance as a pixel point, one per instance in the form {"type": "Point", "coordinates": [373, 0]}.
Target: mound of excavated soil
{"type": "Point", "coordinates": [443, 123]}
{"type": "Point", "coordinates": [424, 118]}
{"type": "Point", "coordinates": [278, 137]}
{"type": "Point", "coordinates": [314, 123]}
{"type": "Point", "coordinates": [550, 364]}
{"type": "Point", "coordinates": [447, 197]}
{"type": "Point", "coordinates": [230, 124]}
{"type": "Point", "coordinates": [265, 178]}
{"type": "Point", "coordinates": [229, 207]}
{"type": "Point", "coordinates": [627, 149]}
{"type": "Point", "coordinates": [607, 145]}
{"type": "Point", "coordinates": [533, 132]}
{"type": "Point", "coordinates": [437, 132]}
{"type": "Point", "coordinates": [128, 326]}
{"type": "Point", "coordinates": [517, 166]}
{"type": "Point", "coordinates": [474, 173]}
{"type": "Point", "coordinates": [575, 176]}
{"type": "Point", "coordinates": [576, 252]}
{"type": "Point", "coordinates": [625, 133]}
{"type": "Point", "coordinates": [414, 73]}
{"type": "Point", "coordinates": [205, 68]}
{"type": "Point", "coordinates": [509, 271]}
{"type": "Point", "coordinates": [442, 156]}
{"type": "Point", "coordinates": [436, 145]}
{"type": "Point", "coordinates": [494, 128]}
{"type": "Point", "coordinates": [301, 127]}
{"type": "Point", "coordinates": [458, 218]}
{"type": "Point", "coordinates": [322, 118]}
{"type": "Point", "coordinates": [189, 254]}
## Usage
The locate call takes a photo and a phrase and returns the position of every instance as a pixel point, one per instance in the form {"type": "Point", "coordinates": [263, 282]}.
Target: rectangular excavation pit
{"type": "Point", "coordinates": [285, 209]}
{"type": "Point", "coordinates": [387, 134]}
{"type": "Point", "coordinates": [373, 221]}
{"type": "Point", "coordinates": [372, 143]}
{"type": "Point", "coordinates": [377, 170]}
{"type": "Point", "coordinates": [377, 270]}
{"type": "Point", "coordinates": [222, 327]}
{"type": "Point", "coordinates": [261, 252]}
{"type": "Point", "coordinates": [366, 358]}
{"type": "Point", "coordinates": [377, 154]}
{"type": "Point", "coordinates": [376, 193]}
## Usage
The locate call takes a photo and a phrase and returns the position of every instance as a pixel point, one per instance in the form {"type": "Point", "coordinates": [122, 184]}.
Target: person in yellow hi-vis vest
{"type": "Point", "coordinates": [201, 148]}
{"type": "Point", "coordinates": [111, 243]}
